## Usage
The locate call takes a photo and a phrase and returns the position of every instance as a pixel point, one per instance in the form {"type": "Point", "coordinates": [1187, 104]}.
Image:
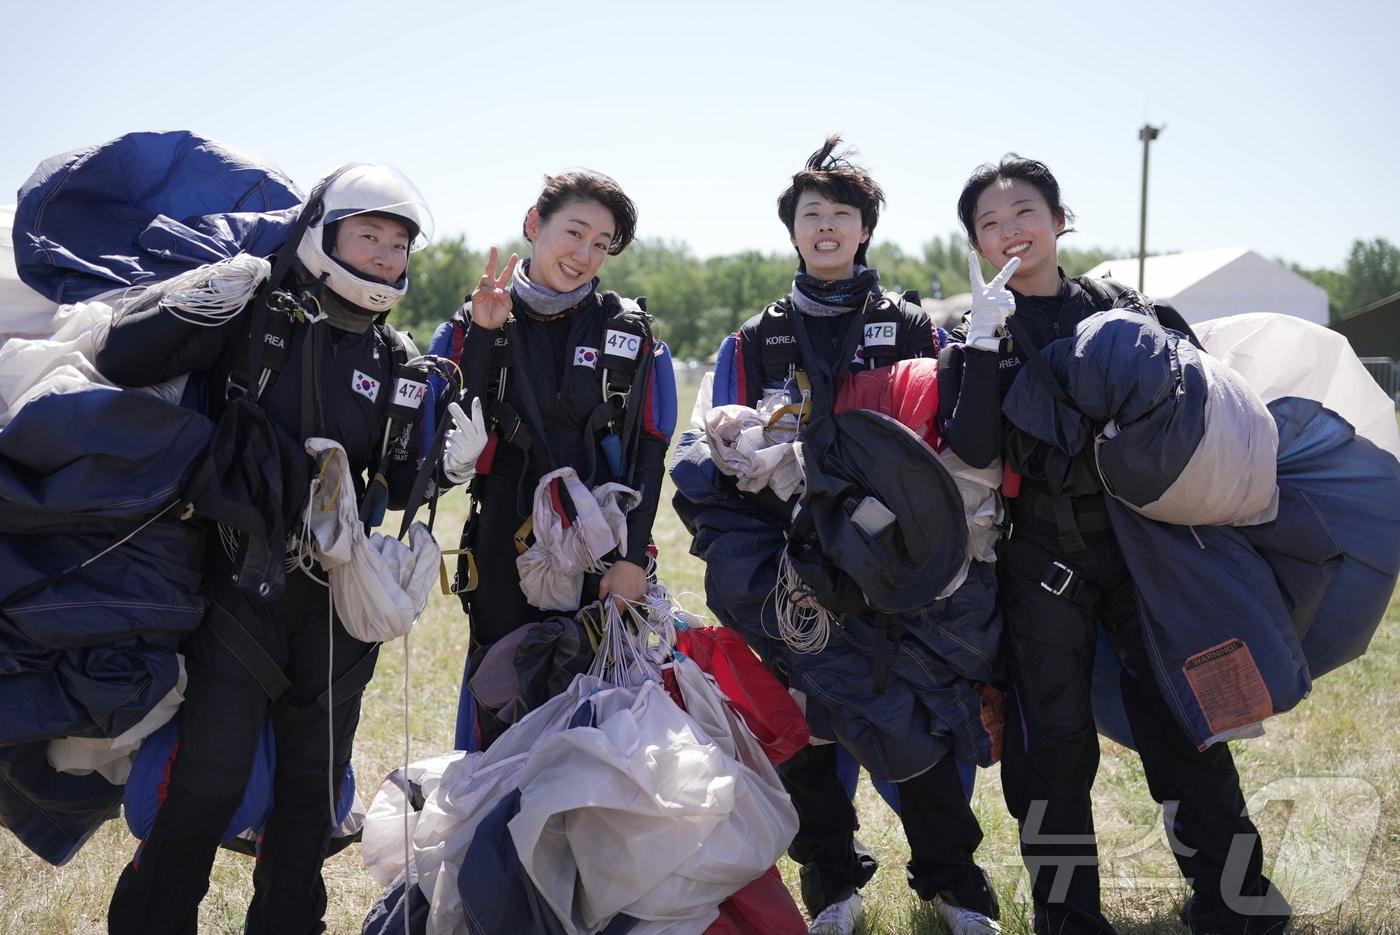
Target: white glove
{"type": "Point", "coordinates": [992, 303]}
{"type": "Point", "coordinates": [464, 443]}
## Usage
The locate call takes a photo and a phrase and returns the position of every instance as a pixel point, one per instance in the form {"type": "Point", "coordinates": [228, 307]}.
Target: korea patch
{"type": "Point", "coordinates": [366, 386]}
{"type": "Point", "coordinates": [880, 334]}
{"type": "Point", "coordinates": [623, 344]}
{"type": "Point", "coordinates": [586, 357]}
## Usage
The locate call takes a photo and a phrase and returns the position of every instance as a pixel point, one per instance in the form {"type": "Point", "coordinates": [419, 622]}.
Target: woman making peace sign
{"type": "Point", "coordinates": [1062, 576]}
{"type": "Point", "coordinates": [556, 374]}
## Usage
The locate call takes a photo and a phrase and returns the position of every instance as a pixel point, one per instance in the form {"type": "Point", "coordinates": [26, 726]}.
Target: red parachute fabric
{"type": "Point", "coordinates": [764, 907]}
{"type": "Point", "coordinates": [907, 391]}
{"type": "Point", "coordinates": [755, 695]}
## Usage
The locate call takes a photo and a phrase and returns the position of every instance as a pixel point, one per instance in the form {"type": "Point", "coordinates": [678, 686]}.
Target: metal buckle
{"type": "Point", "coordinates": [1057, 569]}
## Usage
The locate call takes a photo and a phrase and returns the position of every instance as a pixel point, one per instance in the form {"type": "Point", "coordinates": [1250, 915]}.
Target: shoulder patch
{"type": "Point", "coordinates": [623, 344]}
{"type": "Point", "coordinates": [880, 333]}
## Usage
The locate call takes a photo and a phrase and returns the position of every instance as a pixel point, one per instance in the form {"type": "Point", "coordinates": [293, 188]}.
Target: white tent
{"type": "Point", "coordinates": [1208, 284]}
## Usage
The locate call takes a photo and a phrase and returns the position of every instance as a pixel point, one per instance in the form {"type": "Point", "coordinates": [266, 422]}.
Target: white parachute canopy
{"type": "Point", "coordinates": [378, 583]}
{"type": "Point", "coordinates": [552, 570]}
{"type": "Point", "coordinates": [1280, 355]}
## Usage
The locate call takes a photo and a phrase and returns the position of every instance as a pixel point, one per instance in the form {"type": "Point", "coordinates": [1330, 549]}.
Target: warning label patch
{"type": "Point", "coordinates": [1228, 686]}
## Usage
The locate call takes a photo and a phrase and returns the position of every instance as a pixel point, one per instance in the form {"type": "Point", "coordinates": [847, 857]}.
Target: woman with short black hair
{"type": "Point", "coordinates": [1013, 214]}
{"type": "Point", "coordinates": [838, 324]}
{"type": "Point", "coordinates": [556, 373]}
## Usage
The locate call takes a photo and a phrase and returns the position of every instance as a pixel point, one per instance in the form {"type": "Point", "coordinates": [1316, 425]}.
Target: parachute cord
{"type": "Point", "coordinates": [126, 538]}
{"type": "Point", "coordinates": [229, 538]}
{"type": "Point", "coordinates": [300, 547]}
{"type": "Point", "coordinates": [803, 623]}
{"type": "Point", "coordinates": [330, 704]}
{"type": "Point", "coordinates": [408, 874]}
{"type": "Point", "coordinates": [209, 295]}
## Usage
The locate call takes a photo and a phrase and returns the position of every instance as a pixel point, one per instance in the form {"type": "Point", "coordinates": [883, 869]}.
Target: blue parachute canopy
{"type": "Point", "coordinates": [145, 207]}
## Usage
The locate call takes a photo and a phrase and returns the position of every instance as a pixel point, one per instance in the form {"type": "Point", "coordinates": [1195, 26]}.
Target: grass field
{"type": "Point", "coordinates": [1324, 786]}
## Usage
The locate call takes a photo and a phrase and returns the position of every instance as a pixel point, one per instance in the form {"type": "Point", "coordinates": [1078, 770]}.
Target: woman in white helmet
{"type": "Point", "coordinates": [320, 362]}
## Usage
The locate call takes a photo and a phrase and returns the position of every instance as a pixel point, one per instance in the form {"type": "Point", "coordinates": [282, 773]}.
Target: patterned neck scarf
{"type": "Point", "coordinates": [826, 298]}
{"type": "Point", "coordinates": [542, 301]}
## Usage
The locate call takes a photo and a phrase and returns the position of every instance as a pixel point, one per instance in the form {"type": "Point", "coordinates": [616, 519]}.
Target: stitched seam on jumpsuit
{"type": "Point", "coordinates": [1167, 691]}
{"type": "Point", "coordinates": [877, 753]}
{"type": "Point", "coordinates": [60, 605]}
{"type": "Point", "coordinates": [32, 802]}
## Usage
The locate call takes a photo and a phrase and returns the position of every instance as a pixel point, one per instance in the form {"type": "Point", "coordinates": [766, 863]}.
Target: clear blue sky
{"type": "Point", "coordinates": [1283, 118]}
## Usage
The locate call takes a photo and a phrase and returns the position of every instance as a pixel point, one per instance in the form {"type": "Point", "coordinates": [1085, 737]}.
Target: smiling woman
{"type": "Point", "coordinates": [803, 354]}
{"type": "Point", "coordinates": [1063, 579]}
{"type": "Point", "coordinates": [558, 376]}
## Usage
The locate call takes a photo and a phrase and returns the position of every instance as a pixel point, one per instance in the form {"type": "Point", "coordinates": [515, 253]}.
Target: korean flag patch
{"type": "Point", "coordinates": [366, 386]}
{"type": "Point", "coordinates": [586, 357]}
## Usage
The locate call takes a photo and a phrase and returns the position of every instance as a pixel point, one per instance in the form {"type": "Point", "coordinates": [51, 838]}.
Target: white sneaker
{"type": "Point", "coordinates": [839, 918]}
{"type": "Point", "coordinates": [962, 921]}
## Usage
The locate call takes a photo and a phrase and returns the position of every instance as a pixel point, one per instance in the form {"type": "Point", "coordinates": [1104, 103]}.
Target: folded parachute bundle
{"type": "Point", "coordinates": [99, 580]}
{"type": "Point", "coordinates": [99, 571]}
{"type": "Point", "coordinates": [575, 529]}
{"type": "Point", "coordinates": [756, 446]}
{"type": "Point", "coordinates": [378, 583]}
{"type": "Point", "coordinates": [908, 392]}
{"type": "Point", "coordinates": [635, 800]}
{"type": "Point", "coordinates": [1242, 607]}
{"type": "Point", "coordinates": [1176, 435]}
{"type": "Point", "coordinates": [941, 648]}
{"type": "Point", "coordinates": [880, 526]}
{"type": "Point", "coordinates": [1339, 450]}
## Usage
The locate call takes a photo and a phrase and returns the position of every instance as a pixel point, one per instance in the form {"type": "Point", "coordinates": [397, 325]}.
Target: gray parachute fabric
{"type": "Point", "coordinates": [1177, 435]}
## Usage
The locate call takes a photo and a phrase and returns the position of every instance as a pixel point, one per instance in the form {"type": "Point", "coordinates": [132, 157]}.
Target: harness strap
{"type": "Point", "coordinates": [603, 416]}
{"type": "Point", "coordinates": [229, 631]}
{"type": "Point", "coordinates": [1039, 568]}
{"type": "Point", "coordinates": [522, 535]}
{"type": "Point", "coordinates": [507, 423]}
{"type": "Point", "coordinates": [1031, 352]}
{"type": "Point", "coordinates": [1071, 524]}
{"type": "Point", "coordinates": [1071, 540]}
{"type": "Point", "coordinates": [418, 492]}
{"type": "Point", "coordinates": [353, 681]}
{"type": "Point", "coordinates": [451, 586]}
{"type": "Point", "coordinates": [631, 430]}
{"type": "Point", "coordinates": [527, 397]}
{"type": "Point", "coordinates": [310, 377]}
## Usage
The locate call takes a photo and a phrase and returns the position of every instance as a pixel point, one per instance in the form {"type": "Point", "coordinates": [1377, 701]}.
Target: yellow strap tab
{"type": "Point", "coordinates": [444, 580]}
{"type": "Point", "coordinates": [791, 409]}
{"type": "Point", "coordinates": [804, 383]}
{"type": "Point", "coordinates": [591, 617]}
{"type": "Point", "coordinates": [523, 534]}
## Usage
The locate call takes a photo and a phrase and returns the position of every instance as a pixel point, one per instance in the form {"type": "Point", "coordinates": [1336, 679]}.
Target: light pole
{"type": "Point", "coordinates": [1147, 134]}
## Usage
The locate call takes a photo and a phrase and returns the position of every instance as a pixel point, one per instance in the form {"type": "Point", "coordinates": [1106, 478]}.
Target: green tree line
{"type": "Point", "coordinates": [697, 301]}
{"type": "Point", "coordinates": [1371, 273]}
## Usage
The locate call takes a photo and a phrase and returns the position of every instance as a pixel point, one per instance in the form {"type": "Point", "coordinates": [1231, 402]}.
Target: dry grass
{"type": "Point", "coordinates": [1334, 837]}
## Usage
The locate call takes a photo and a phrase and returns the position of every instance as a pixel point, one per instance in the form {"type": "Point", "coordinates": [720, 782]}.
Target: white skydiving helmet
{"type": "Point", "coordinates": [361, 188]}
